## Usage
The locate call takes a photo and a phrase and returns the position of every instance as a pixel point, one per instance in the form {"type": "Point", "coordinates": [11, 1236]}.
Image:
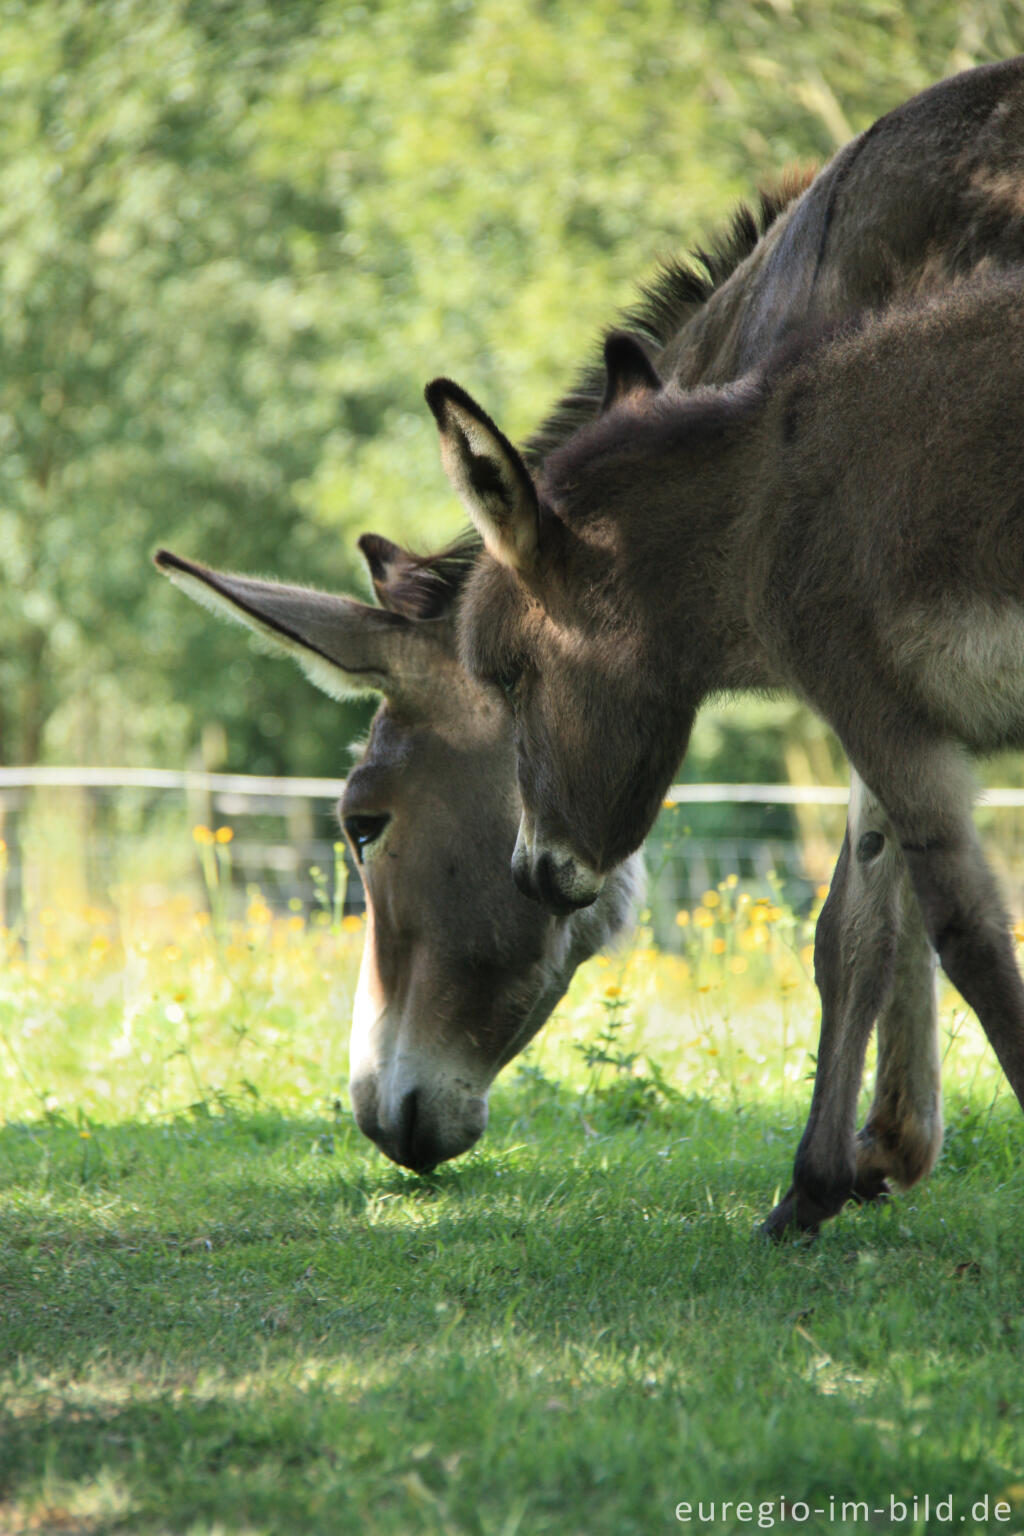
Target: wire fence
{"type": "Point", "coordinates": [112, 835]}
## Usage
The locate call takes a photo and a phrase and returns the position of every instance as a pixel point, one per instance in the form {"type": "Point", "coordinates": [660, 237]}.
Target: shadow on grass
{"type": "Point", "coordinates": [254, 1320]}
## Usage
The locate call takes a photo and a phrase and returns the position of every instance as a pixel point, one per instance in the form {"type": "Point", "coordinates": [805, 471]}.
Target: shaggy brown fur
{"type": "Point", "coordinates": [932, 191]}
{"type": "Point", "coordinates": [846, 523]}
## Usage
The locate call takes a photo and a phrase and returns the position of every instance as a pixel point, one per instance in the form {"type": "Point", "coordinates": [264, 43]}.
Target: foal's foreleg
{"type": "Point", "coordinates": [872, 958]}
{"type": "Point", "coordinates": [928, 793]}
{"type": "Point", "coordinates": [854, 950]}
{"type": "Point", "coordinates": [902, 1136]}
{"type": "Point", "coordinates": [967, 924]}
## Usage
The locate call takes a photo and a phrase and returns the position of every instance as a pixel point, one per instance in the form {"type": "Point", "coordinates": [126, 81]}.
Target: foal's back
{"type": "Point", "coordinates": [891, 511]}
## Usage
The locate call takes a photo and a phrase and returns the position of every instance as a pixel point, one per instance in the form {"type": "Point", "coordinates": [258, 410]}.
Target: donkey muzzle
{"type": "Point", "coordinates": [416, 1125]}
{"type": "Point", "coordinates": [552, 875]}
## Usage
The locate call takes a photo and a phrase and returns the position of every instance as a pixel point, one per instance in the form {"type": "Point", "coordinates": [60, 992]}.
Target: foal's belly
{"type": "Point", "coordinates": [964, 663]}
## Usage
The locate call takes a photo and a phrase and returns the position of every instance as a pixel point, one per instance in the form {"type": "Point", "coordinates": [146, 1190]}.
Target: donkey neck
{"type": "Point", "coordinates": [667, 497]}
{"type": "Point", "coordinates": [740, 322]}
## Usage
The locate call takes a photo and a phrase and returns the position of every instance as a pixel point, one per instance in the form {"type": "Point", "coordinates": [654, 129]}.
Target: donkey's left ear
{"type": "Point", "coordinates": [487, 474]}
{"type": "Point", "coordinates": [628, 369]}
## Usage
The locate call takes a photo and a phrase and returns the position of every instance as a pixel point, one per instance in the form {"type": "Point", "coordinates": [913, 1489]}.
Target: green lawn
{"type": "Point", "coordinates": [222, 1311]}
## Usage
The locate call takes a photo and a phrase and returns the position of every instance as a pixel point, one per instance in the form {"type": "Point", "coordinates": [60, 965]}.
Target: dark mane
{"type": "Point", "coordinates": [681, 286]}
{"type": "Point", "coordinates": [664, 307]}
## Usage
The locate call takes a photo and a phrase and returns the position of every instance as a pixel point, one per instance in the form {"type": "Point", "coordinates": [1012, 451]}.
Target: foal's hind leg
{"type": "Point", "coordinates": [872, 958]}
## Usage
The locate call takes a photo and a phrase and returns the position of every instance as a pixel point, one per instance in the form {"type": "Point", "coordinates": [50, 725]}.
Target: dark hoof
{"type": "Point", "coordinates": [784, 1222]}
{"type": "Point", "coordinates": [873, 1189]}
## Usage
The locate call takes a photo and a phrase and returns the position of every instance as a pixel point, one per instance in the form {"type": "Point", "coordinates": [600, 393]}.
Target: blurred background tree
{"type": "Point", "coordinates": [236, 237]}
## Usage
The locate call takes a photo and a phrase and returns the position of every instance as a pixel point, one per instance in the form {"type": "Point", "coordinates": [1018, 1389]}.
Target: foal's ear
{"type": "Point", "coordinates": [343, 646]}
{"type": "Point", "coordinates": [487, 474]}
{"type": "Point", "coordinates": [629, 370]}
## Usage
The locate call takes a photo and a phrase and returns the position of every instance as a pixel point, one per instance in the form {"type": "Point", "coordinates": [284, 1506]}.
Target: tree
{"type": "Point", "coordinates": [237, 238]}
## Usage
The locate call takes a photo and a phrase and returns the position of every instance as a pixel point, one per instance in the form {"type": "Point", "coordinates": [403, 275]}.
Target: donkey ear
{"type": "Point", "coordinates": [487, 474]}
{"type": "Point", "coordinates": [389, 567]}
{"type": "Point", "coordinates": [417, 586]}
{"type": "Point", "coordinates": [344, 647]}
{"type": "Point", "coordinates": [629, 369]}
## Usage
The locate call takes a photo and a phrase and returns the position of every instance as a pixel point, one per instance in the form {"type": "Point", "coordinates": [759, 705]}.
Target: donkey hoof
{"type": "Point", "coordinates": [784, 1221]}
{"type": "Point", "coordinates": [872, 1189]}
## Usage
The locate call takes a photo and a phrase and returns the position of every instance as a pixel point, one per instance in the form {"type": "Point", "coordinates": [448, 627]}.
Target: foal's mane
{"type": "Point", "coordinates": [680, 287]}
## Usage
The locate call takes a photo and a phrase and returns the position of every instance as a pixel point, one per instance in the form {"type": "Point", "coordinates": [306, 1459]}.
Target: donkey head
{"type": "Point", "coordinates": [458, 970]}
{"type": "Point", "coordinates": [549, 618]}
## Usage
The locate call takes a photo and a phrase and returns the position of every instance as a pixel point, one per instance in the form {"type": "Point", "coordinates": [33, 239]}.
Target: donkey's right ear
{"type": "Point", "coordinates": [343, 646]}
{"type": "Point", "coordinates": [488, 476]}
{"type": "Point", "coordinates": [628, 369]}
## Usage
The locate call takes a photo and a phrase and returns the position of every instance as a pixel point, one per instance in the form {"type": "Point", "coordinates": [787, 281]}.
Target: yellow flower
{"type": "Point", "coordinates": [296, 924]}
{"type": "Point", "coordinates": [737, 965]}
{"type": "Point", "coordinates": [683, 919]}
{"type": "Point", "coordinates": [203, 836]}
{"type": "Point", "coordinates": [668, 805]}
{"type": "Point", "coordinates": [613, 991]}
{"type": "Point", "coordinates": [718, 946]}
{"type": "Point", "coordinates": [731, 882]}
{"type": "Point", "coordinates": [807, 955]}
{"type": "Point", "coordinates": [172, 952]}
{"type": "Point", "coordinates": [821, 892]}
{"type": "Point", "coordinates": [224, 834]}
{"type": "Point", "coordinates": [711, 899]}
{"type": "Point", "coordinates": [703, 918]}
{"type": "Point", "coordinates": [352, 923]}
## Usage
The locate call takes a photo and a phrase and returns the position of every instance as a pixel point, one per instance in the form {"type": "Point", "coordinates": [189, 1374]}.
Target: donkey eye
{"type": "Point", "coordinates": [361, 831]}
{"type": "Point", "coordinates": [508, 683]}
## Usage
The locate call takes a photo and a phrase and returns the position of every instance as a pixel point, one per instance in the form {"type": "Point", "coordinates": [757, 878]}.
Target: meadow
{"type": "Point", "coordinates": [222, 1311]}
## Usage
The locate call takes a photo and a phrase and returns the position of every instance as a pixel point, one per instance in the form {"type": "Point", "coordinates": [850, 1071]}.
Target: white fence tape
{"type": "Point", "coordinates": [295, 788]}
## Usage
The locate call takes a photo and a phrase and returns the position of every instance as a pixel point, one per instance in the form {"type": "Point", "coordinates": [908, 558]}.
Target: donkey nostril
{"type": "Point", "coordinates": [407, 1129]}
{"type": "Point", "coordinates": [547, 889]}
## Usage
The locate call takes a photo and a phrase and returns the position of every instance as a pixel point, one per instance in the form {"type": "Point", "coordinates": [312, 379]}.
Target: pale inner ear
{"type": "Point", "coordinates": [346, 649]}
{"type": "Point", "coordinates": [488, 476]}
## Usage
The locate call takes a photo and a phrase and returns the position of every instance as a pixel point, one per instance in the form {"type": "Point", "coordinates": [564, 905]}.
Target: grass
{"type": "Point", "coordinates": [221, 1311]}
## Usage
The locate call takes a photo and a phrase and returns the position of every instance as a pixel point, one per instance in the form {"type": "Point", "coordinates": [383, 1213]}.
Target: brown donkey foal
{"type": "Point", "coordinates": [846, 523]}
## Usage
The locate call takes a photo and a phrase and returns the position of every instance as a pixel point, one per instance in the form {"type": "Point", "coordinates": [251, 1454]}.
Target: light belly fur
{"type": "Point", "coordinates": [966, 664]}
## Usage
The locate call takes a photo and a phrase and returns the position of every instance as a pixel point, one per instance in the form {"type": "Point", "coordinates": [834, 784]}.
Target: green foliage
{"type": "Point", "coordinates": [623, 1087]}
{"type": "Point", "coordinates": [236, 239]}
